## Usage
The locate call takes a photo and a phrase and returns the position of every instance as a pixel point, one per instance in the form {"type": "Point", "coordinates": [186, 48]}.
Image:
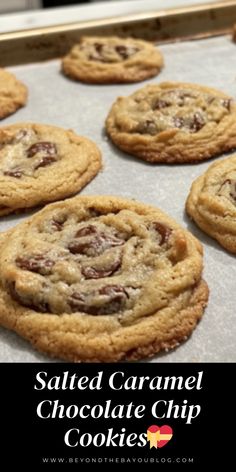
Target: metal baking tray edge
{"type": "Point", "coordinates": [193, 22]}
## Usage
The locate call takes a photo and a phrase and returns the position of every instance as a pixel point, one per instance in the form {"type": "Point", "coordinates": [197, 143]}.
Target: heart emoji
{"type": "Point", "coordinates": [159, 436]}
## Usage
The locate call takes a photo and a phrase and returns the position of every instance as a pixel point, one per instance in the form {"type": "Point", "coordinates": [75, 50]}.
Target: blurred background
{"type": "Point", "coordinates": [25, 14]}
{"type": "Point", "coordinates": [7, 6]}
{"type": "Point", "coordinates": [10, 6]}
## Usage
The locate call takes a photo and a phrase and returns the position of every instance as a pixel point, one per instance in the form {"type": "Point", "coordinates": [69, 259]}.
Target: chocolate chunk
{"type": "Point", "coordinates": [232, 184]}
{"type": "Point", "coordinates": [113, 291]}
{"type": "Point", "coordinates": [147, 127]}
{"type": "Point", "coordinates": [159, 104]}
{"type": "Point", "coordinates": [197, 122]}
{"type": "Point", "coordinates": [97, 56]}
{"type": "Point", "coordinates": [11, 288]}
{"type": "Point", "coordinates": [41, 306]}
{"type": "Point", "coordinates": [17, 173]}
{"type": "Point", "coordinates": [49, 149]}
{"type": "Point", "coordinates": [22, 133]}
{"type": "Point", "coordinates": [172, 97]}
{"type": "Point", "coordinates": [58, 223]}
{"type": "Point", "coordinates": [163, 231]}
{"type": "Point", "coordinates": [226, 103]}
{"type": "Point", "coordinates": [99, 272]}
{"type": "Point", "coordinates": [210, 99]}
{"type": "Point", "coordinates": [176, 98]}
{"type": "Point", "coordinates": [38, 263]}
{"type": "Point", "coordinates": [45, 161]}
{"type": "Point", "coordinates": [227, 181]}
{"type": "Point", "coordinates": [116, 298]}
{"type": "Point", "coordinates": [112, 300]}
{"type": "Point", "coordinates": [37, 306]}
{"type": "Point", "coordinates": [184, 94]}
{"type": "Point", "coordinates": [123, 51]}
{"type": "Point", "coordinates": [233, 190]}
{"type": "Point", "coordinates": [181, 95]}
{"type": "Point", "coordinates": [94, 212]}
{"type": "Point", "coordinates": [94, 245]}
{"type": "Point", "coordinates": [126, 52]}
{"type": "Point", "coordinates": [110, 240]}
{"type": "Point", "coordinates": [86, 231]}
{"type": "Point", "coordinates": [98, 47]}
{"type": "Point", "coordinates": [194, 124]}
{"type": "Point", "coordinates": [178, 122]}
{"type": "Point", "coordinates": [77, 302]}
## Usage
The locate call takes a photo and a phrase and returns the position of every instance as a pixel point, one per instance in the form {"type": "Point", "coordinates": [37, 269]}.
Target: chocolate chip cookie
{"type": "Point", "coordinates": [234, 33]}
{"type": "Point", "coordinates": [13, 94]}
{"type": "Point", "coordinates": [104, 60]}
{"type": "Point", "coordinates": [212, 202]}
{"type": "Point", "coordinates": [173, 123]}
{"type": "Point", "coordinates": [101, 279]}
{"type": "Point", "coordinates": [41, 164]}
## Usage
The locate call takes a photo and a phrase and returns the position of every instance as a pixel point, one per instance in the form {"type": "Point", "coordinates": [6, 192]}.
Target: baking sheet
{"type": "Point", "coordinates": [56, 100]}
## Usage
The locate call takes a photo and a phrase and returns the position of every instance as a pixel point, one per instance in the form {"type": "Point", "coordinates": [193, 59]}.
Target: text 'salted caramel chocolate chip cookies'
{"type": "Point", "coordinates": [212, 202]}
{"type": "Point", "coordinates": [13, 94]}
{"type": "Point", "coordinates": [101, 279]}
{"type": "Point", "coordinates": [41, 164]}
{"type": "Point", "coordinates": [173, 123]}
{"type": "Point", "coordinates": [104, 60]}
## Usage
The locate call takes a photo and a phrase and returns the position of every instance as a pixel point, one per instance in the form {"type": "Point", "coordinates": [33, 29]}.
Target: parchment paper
{"type": "Point", "coordinates": [53, 99]}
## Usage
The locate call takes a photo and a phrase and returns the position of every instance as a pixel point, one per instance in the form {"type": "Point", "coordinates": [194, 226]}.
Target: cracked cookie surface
{"type": "Point", "coordinates": [13, 93]}
{"type": "Point", "coordinates": [212, 202]}
{"type": "Point", "coordinates": [101, 279]}
{"type": "Point", "coordinates": [112, 60]}
{"type": "Point", "coordinates": [173, 123]}
{"type": "Point", "coordinates": [41, 164]}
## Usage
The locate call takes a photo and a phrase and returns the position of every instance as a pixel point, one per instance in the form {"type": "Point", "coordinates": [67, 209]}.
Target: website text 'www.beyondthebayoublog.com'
{"type": "Point", "coordinates": [117, 460]}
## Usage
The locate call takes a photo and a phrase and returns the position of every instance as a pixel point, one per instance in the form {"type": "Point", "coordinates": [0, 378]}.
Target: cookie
{"type": "Point", "coordinates": [212, 202]}
{"type": "Point", "coordinates": [173, 123]}
{"type": "Point", "coordinates": [13, 94]}
{"type": "Point", "coordinates": [101, 279]}
{"type": "Point", "coordinates": [41, 164]}
{"type": "Point", "coordinates": [234, 33]}
{"type": "Point", "coordinates": [108, 60]}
